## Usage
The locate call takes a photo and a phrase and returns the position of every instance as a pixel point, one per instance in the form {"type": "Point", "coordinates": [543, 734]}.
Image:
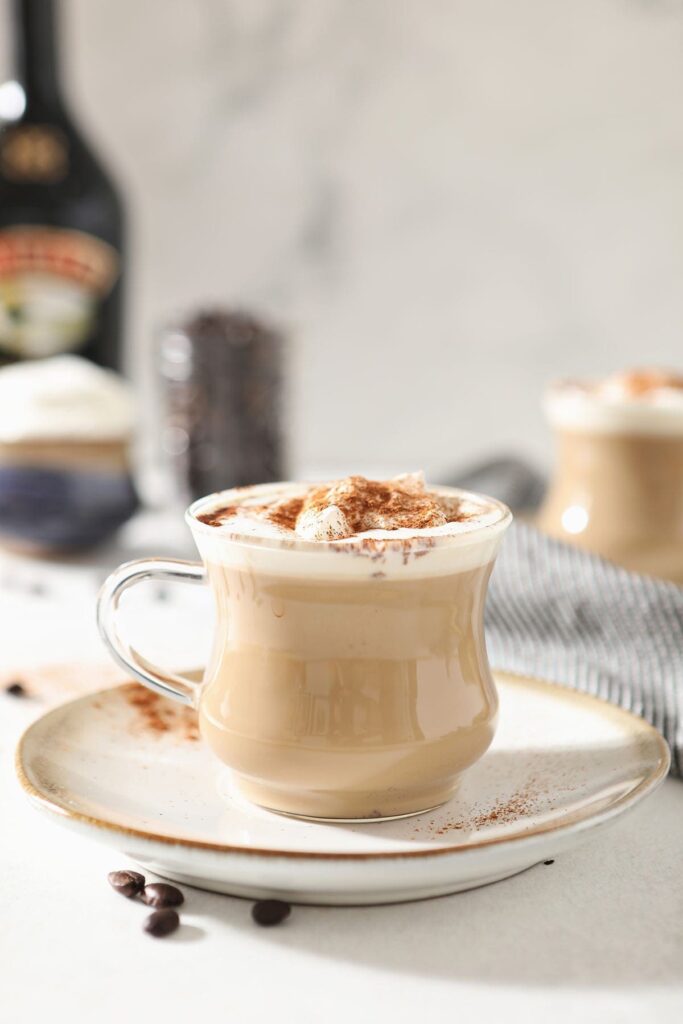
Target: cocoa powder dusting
{"type": "Point", "coordinates": [502, 813]}
{"type": "Point", "coordinates": [522, 804]}
{"type": "Point", "coordinates": [285, 513]}
{"type": "Point", "coordinates": [365, 505]}
{"type": "Point", "coordinates": [378, 504]}
{"type": "Point", "coordinates": [218, 516]}
{"type": "Point", "coordinates": [638, 383]}
{"type": "Point", "coordinates": [157, 715]}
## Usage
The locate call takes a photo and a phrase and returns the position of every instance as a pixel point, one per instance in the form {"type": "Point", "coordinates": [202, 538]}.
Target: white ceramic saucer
{"type": "Point", "coordinates": [127, 767]}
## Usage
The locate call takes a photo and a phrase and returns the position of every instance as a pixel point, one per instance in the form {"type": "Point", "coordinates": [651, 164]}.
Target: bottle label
{"type": "Point", "coordinates": [34, 153]}
{"type": "Point", "coordinates": [51, 284]}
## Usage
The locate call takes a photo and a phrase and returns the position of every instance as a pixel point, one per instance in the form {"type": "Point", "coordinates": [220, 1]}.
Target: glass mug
{"type": "Point", "coordinates": [347, 680]}
{"type": "Point", "coordinates": [617, 486]}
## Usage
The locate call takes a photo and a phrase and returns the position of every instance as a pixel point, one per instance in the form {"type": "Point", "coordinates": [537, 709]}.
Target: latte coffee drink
{"type": "Point", "coordinates": [618, 484]}
{"type": "Point", "coordinates": [348, 678]}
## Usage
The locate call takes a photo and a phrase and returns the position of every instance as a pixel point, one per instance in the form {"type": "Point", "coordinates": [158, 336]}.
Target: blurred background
{"type": "Point", "coordinates": [443, 203]}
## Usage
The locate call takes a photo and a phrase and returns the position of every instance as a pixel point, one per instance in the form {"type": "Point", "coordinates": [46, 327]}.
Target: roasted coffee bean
{"type": "Point", "coordinates": [16, 689]}
{"type": "Point", "coordinates": [128, 883]}
{"type": "Point", "coordinates": [159, 894]}
{"type": "Point", "coordinates": [269, 912]}
{"type": "Point", "coordinates": [161, 923]}
{"type": "Point", "coordinates": [548, 861]}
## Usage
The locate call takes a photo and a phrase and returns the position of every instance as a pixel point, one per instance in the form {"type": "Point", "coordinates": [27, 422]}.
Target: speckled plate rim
{"type": "Point", "coordinates": [581, 820]}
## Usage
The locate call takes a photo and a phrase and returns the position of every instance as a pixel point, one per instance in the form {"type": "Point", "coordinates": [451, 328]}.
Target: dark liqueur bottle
{"type": "Point", "coordinates": [61, 221]}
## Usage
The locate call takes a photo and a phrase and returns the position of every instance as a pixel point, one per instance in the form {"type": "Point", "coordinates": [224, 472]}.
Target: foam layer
{"type": "Point", "coordinates": [643, 402]}
{"type": "Point", "coordinates": [347, 528]}
{"type": "Point", "coordinates": [63, 399]}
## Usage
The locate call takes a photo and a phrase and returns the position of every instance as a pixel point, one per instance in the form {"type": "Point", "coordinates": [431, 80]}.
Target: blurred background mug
{"type": "Point", "coordinates": [617, 488]}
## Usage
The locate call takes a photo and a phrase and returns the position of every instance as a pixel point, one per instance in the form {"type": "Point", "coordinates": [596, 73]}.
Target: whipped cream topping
{"type": "Point", "coordinates": [62, 399]}
{"type": "Point", "coordinates": [648, 401]}
{"type": "Point", "coordinates": [352, 509]}
{"type": "Point", "coordinates": [328, 523]}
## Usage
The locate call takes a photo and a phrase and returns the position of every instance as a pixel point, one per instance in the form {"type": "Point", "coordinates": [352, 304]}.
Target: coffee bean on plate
{"type": "Point", "coordinates": [16, 689]}
{"type": "Point", "coordinates": [128, 883]}
{"type": "Point", "coordinates": [161, 923]}
{"type": "Point", "coordinates": [159, 894]}
{"type": "Point", "coordinates": [270, 912]}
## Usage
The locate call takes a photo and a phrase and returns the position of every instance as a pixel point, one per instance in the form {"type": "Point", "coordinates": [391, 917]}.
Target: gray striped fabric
{"type": "Point", "coordinates": [561, 614]}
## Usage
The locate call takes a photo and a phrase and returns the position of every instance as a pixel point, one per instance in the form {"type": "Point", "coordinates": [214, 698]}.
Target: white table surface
{"type": "Point", "coordinates": [597, 936]}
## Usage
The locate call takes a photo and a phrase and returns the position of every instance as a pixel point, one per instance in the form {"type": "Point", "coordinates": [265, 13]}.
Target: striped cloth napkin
{"type": "Point", "coordinates": [562, 614]}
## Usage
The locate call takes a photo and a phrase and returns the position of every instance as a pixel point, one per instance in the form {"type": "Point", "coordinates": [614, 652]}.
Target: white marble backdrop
{"type": "Point", "coordinates": [447, 201]}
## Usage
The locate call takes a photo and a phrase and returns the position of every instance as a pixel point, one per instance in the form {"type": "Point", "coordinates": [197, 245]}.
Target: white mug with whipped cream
{"type": "Point", "coordinates": [66, 428]}
{"type": "Point", "coordinates": [348, 678]}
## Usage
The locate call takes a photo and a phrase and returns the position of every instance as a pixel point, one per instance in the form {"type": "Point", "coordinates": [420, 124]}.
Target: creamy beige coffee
{"type": "Point", "coordinates": [617, 488]}
{"type": "Point", "coordinates": [349, 676]}
{"type": "Point", "coordinates": [102, 456]}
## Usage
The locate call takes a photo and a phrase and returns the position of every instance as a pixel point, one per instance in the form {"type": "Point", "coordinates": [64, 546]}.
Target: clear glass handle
{"type": "Point", "coordinates": [127, 575]}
